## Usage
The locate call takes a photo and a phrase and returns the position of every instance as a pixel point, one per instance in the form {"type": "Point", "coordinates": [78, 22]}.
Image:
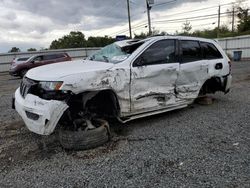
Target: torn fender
{"type": "Point", "coordinates": [40, 116]}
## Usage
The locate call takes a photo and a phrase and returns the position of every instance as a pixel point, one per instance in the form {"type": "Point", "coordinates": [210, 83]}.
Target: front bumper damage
{"type": "Point", "coordinates": [39, 115]}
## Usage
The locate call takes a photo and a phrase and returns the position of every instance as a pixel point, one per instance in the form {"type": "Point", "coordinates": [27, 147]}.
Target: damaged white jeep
{"type": "Point", "coordinates": [125, 80]}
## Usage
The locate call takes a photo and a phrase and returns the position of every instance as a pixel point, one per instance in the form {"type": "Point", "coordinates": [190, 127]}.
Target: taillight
{"type": "Point", "coordinates": [230, 66]}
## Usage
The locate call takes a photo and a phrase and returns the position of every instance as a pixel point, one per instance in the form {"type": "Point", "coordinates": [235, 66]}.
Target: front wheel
{"type": "Point", "coordinates": [85, 139]}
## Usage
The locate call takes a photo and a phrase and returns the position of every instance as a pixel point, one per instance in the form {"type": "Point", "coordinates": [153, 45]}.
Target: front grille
{"type": "Point", "coordinates": [26, 86]}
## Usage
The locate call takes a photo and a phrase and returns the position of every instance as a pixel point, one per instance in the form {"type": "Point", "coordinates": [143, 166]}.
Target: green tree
{"type": "Point", "coordinates": [43, 49]}
{"type": "Point", "coordinates": [241, 15]}
{"type": "Point", "coordinates": [75, 39]}
{"type": "Point", "coordinates": [244, 19]}
{"type": "Point", "coordinates": [99, 41]}
{"type": "Point", "coordinates": [31, 49]}
{"type": "Point", "coordinates": [212, 33]}
{"type": "Point", "coordinates": [14, 49]}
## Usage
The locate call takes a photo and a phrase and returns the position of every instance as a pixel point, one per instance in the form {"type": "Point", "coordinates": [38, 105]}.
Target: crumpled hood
{"type": "Point", "coordinates": [56, 71]}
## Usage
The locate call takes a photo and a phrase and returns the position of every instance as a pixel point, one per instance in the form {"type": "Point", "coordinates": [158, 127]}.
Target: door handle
{"type": "Point", "coordinates": [218, 66]}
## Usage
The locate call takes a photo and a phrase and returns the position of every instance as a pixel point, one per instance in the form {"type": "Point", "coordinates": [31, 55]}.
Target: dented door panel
{"type": "Point", "coordinates": [153, 87]}
{"type": "Point", "coordinates": [193, 72]}
{"type": "Point", "coordinates": [153, 77]}
{"type": "Point", "coordinates": [191, 78]}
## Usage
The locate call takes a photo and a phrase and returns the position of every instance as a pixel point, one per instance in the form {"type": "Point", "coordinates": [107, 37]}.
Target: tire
{"type": "Point", "coordinates": [81, 140]}
{"type": "Point", "coordinates": [23, 72]}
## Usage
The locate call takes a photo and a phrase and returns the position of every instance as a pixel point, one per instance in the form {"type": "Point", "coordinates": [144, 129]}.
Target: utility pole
{"type": "Point", "coordinates": [149, 19]}
{"type": "Point", "coordinates": [218, 29]}
{"type": "Point", "coordinates": [233, 19]}
{"type": "Point", "coordinates": [129, 21]}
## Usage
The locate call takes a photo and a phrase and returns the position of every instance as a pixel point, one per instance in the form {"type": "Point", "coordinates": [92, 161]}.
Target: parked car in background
{"type": "Point", "coordinates": [20, 66]}
{"type": "Point", "coordinates": [19, 60]}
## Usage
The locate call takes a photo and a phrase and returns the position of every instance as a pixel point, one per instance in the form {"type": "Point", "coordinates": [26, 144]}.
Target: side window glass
{"type": "Point", "coordinates": [50, 57]}
{"type": "Point", "coordinates": [191, 51]}
{"type": "Point", "coordinates": [46, 57]}
{"type": "Point", "coordinates": [55, 56]}
{"type": "Point", "coordinates": [58, 56]}
{"type": "Point", "coordinates": [37, 59]}
{"type": "Point", "coordinates": [210, 51]}
{"type": "Point", "coordinates": [158, 53]}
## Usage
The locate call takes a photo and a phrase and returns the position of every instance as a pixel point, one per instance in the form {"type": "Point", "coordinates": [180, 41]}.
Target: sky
{"type": "Point", "coordinates": [36, 23]}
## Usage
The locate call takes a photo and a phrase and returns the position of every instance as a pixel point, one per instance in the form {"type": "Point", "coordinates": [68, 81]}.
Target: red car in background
{"type": "Point", "coordinates": [20, 66]}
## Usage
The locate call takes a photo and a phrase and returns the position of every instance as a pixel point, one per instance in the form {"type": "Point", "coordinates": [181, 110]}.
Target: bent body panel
{"type": "Point", "coordinates": [47, 112]}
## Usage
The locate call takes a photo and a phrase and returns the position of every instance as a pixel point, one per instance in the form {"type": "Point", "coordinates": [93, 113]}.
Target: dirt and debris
{"type": "Point", "coordinates": [205, 100]}
{"type": "Point", "coordinates": [198, 146]}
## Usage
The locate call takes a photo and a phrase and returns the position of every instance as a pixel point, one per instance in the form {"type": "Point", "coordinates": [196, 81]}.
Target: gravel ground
{"type": "Point", "coordinates": [198, 146]}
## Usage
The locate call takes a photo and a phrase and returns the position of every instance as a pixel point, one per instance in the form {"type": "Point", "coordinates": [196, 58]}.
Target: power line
{"type": "Point", "coordinates": [164, 3]}
{"type": "Point", "coordinates": [182, 13]}
{"type": "Point", "coordinates": [143, 23]}
{"type": "Point", "coordinates": [179, 13]}
{"type": "Point", "coordinates": [196, 18]}
{"type": "Point", "coordinates": [197, 25]}
{"type": "Point", "coordinates": [188, 18]}
{"type": "Point", "coordinates": [201, 9]}
{"type": "Point", "coordinates": [192, 24]}
{"type": "Point", "coordinates": [125, 30]}
{"type": "Point", "coordinates": [134, 3]}
{"type": "Point", "coordinates": [142, 26]}
{"type": "Point", "coordinates": [196, 10]}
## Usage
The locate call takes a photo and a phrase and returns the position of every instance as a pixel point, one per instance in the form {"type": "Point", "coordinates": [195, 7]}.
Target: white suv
{"type": "Point", "coordinates": [125, 80]}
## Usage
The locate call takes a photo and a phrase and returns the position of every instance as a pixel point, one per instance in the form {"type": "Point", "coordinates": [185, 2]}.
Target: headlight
{"type": "Point", "coordinates": [50, 86]}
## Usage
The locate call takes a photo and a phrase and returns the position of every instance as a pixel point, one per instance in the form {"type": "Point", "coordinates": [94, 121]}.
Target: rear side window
{"type": "Point", "coordinates": [59, 55]}
{"type": "Point", "coordinates": [52, 56]}
{"type": "Point", "coordinates": [158, 53]}
{"type": "Point", "coordinates": [38, 58]}
{"type": "Point", "coordinates": [210, 51]}
{"type": "Point", "coordinates": [191, 51]}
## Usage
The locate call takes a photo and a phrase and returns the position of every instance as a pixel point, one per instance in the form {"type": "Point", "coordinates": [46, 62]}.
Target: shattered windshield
{"type": "Point", "coordinates": [111, 54]}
